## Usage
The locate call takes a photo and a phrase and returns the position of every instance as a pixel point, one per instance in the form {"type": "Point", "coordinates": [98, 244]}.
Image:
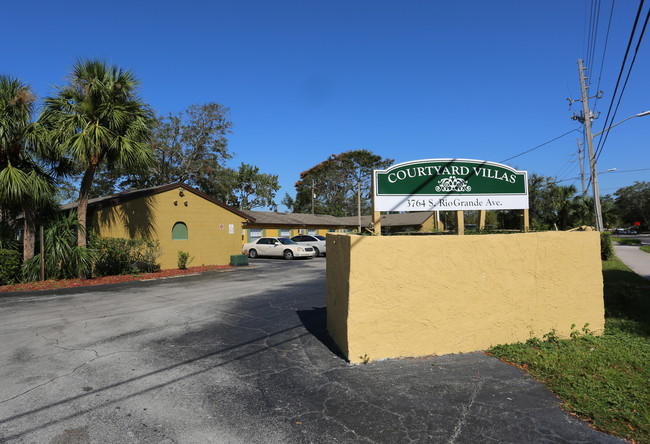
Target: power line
{"type": "Point", "coordinates": [568, 172]}
{"type": "Point", "coordinates": [636, 21]}
{"type": "Point", "coordinates": [568, 167]}
{"type": "Point", "coordinates": [636, 51]}
{"type": "Point", "coordinates": [602, 60]}
{"type": "Point", "coordinates": [608, 172]}
{"type": "Point", "coordinates": [593, 38]}
{"type": "Point", "coordinates": [539, 146]}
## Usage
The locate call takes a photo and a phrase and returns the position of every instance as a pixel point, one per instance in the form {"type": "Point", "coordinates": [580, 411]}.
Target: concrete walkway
{"type": "Point", "coordinates": [635, 258]}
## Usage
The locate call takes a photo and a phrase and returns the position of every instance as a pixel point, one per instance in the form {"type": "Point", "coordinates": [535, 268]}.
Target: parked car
{"type": "Point", "coordinates": [276, 246]}
{"type": "Point", "coordinates": [315, 241]}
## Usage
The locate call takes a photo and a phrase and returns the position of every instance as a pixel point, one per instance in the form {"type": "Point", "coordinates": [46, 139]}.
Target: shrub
{"type": "Point", "coordinates": [123, 256]}
{"type": "Point", "coordinates": [183, 259]}
{"type": "Point", "coordinates": [64, 259]}
{"type": "Point", "coordinates": [606, 248]}
{"type": "Point", "coordinates": [8, 239]}
{"type": "Point", "coordinates": [9, 266]}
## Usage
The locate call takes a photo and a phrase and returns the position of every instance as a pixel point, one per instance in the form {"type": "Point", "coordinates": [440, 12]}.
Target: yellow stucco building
{"type": "Point", "coordinates": [274, 224]}
{"type": "Point", "coordinates": [178, 216]}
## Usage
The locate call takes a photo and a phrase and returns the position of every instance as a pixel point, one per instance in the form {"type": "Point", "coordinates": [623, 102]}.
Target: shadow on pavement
{"type": "Point", "coordinates": [315, 322]}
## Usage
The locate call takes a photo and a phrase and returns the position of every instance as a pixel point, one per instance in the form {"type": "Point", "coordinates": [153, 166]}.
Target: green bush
{"type": "Point", "coordinates": [9, 266]}
{"type": "Point", "coordinates": [124, 256]}
{"type": "Point", "coordinates": [64, 259]}
{"type": "Point", "coordinates": [8, 239]}
{"type": "Point", "coordinates": [606, 247]}
{"type": "Point", "coordinates": [183, 258]}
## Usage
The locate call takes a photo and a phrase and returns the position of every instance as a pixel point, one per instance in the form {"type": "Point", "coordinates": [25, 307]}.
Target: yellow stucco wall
{"type": "Point", "coordinates": [209, 242]}
{"type": "Point", "coordinates": [392, 296]}
{"type": "Point", "coordinates": [428, 224]}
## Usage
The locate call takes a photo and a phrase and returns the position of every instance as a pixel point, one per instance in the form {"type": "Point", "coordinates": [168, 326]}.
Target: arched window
{"type": "Point", "coordinates": [179, 231]}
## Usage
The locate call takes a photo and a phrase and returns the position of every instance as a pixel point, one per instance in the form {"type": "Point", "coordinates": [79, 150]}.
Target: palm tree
{"type": "Point", "coordinates": [23, 181]}
{"type": "Point", "coordinates": [64, 258]}
{"type": "Point", "coordinates": [99, 120]}
{"type": "Point", "coordinates": [564, 194]}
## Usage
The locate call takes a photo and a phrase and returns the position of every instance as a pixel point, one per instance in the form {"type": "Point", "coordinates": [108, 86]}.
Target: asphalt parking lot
{"type": "Point", "coordinates": [242, 357]}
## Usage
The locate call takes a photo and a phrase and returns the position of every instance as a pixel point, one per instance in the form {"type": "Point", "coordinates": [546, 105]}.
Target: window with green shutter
{"type": "Point", "coordinates": [179, 231]}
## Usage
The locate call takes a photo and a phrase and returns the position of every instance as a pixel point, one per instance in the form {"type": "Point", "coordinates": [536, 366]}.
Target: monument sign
{"type": "Point", "coordinates": [450, 185]}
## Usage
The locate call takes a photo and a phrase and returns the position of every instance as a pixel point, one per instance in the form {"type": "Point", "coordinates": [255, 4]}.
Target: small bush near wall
{"type": "Point", "coordinates": [9, 266]}
{"type": "Point", "coordinates": [123, 256]}
{"type": "Point", "coordinates": [183, 259]}
{"type": "Point", "coordinates": [606, 248]}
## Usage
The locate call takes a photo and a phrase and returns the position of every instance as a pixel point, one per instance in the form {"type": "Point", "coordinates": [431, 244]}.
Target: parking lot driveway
{"type": "Point", "coordinates": [242, 357]}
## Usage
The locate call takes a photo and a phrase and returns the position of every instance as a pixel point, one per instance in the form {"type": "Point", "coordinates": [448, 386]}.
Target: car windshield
{"type": "Point", "coordinates": [286, 241]}
{"type": "Point", "coordinates": [319, 237]}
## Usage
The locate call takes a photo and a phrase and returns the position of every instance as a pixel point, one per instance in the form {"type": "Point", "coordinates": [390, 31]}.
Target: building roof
{"type": "Point", "coordinates": [264, 217]}
{"type": "Point", "coordinates": [391, 220]}
{"type": "Point", "coordinates": [115, 199]}
{"type": "Point", "coordinates": [302, 219]}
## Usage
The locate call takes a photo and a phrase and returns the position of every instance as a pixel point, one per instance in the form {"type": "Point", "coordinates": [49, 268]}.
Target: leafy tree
{"type": "Point", "coordinates": [633, 204]}
{"type": "Point", "coordinates": [99, 119]}
{"type": "Point", "coordinates": [188, 146]}
{"type": "Point", "coordinates": [245, 188]}
{"type": "Point", "coordinates": [288, 201]}
{"type": "Point", "coordinates": [335, 182]}
{"type": "Point", "coordinates": [24, 152]}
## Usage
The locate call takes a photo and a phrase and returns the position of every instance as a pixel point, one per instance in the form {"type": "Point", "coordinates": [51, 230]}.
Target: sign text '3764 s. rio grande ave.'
{"type": "Point", "coordinates": [450, 185]}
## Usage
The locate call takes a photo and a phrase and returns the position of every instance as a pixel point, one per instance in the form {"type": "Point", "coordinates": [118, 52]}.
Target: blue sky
{"type": "Point", "coordinates": [408, 80]}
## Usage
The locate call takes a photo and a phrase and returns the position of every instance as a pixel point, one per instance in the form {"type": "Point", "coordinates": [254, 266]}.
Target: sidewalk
{"type": "Point", "coordinates": [635, 258]}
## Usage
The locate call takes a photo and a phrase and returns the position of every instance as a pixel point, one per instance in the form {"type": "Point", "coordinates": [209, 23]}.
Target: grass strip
{"type": "Point", "coordinates": [626, 241]}
{"type": "Point", "coordinates": [601, 379]}
{"type": "Point", "coordinates": [646, 248]}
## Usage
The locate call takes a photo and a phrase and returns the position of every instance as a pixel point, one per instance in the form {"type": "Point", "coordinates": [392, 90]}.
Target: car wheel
{"type": "Point", "coordinates": [317, 251]}
{"type": "Point", "coordinates": [252, 253]}
{"type": "Point", "coordinates": [288, 255]}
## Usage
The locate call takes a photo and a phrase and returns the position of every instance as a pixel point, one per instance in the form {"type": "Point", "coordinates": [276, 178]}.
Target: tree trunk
{"type": "Point", "coordinates": [29, 233]}
{"type": "Point", "coordinates": [82, 206]}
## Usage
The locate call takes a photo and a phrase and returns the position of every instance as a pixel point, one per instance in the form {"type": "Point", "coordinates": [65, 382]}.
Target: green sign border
{"type": "Point", "coordinates": [450, 177]}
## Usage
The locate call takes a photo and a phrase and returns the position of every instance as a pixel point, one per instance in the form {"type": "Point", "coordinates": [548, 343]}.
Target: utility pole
{"type": "Point", "coordinates": [585, 119]}
{"type": "Point", "coordinates": [582, 168]}
{"type": "Point", "coordinates": [359, 203]}
{"type": "Point", "coordinates": [312, 196]}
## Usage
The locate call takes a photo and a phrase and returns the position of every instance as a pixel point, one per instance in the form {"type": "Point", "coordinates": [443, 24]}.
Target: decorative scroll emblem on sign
{"type": "Point", "coordinates": [452, 183]}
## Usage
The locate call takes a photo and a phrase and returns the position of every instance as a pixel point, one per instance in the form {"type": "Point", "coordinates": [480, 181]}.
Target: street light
{"type": "Point", "coordinates": [644, 113]}
{"type": "Point", "coordinates": [592, 162]}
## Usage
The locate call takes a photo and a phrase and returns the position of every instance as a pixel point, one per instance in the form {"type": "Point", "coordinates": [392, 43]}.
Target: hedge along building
{"type": "Point", "coordinates": [178, 216]}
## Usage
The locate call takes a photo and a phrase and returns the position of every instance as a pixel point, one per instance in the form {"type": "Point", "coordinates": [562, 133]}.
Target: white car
{"type": "Point", "coordinates": [312, 240]}
{"type": "Point", "coordinates": [278, 247]}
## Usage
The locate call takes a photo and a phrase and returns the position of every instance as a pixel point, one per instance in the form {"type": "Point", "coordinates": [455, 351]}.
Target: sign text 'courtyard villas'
{"type": "Point", "coordinates": [450, 185]}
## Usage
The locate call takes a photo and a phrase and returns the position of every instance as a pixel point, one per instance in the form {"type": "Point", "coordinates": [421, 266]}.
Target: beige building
{"type": "Point", "coordinates": [274, 224]}
{"type": "Point", "coordinates": [183, 218]}
{"type": "Point", "coordinates": [180, 217]}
